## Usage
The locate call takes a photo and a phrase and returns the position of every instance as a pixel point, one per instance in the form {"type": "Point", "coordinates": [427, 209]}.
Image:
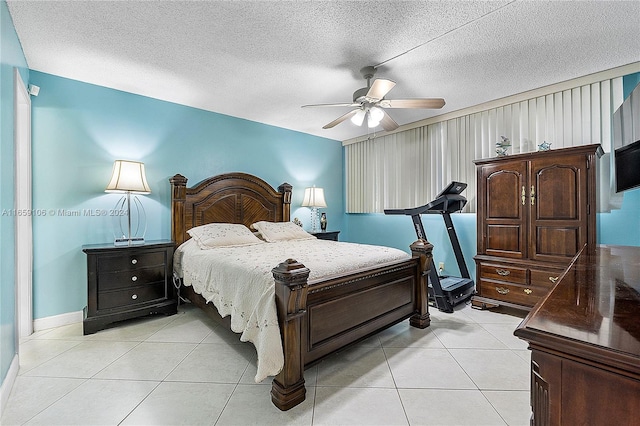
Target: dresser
{"type": "Point", "coordinates": [128, 282]}
{"type": "Point", "coordinates": [585, 342]}
{"type": "Point", "coordinates": [534, 213]}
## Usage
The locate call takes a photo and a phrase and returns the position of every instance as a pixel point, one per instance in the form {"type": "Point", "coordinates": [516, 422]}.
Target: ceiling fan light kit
{"type": "Point", "coordinates": [373, 114]}
{"type": "Point", "coordinates": [376, 113]}
{"type": "Point", "coordinates": [369, 103]}
{"type": "Point", "coordinates": [358, 118]}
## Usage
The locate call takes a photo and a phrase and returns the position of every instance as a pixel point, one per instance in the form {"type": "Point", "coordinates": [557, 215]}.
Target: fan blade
{"type": "Point", "coordinates": [379, 89]}
{"type": "Point", "coordinates": [430, 103]}
{"type": "Point", "coordinates": [388, 123]}
{"type": "Point", "coordinates": [341, 119]}
{"type": "Point", "coordinates": [331, 105]}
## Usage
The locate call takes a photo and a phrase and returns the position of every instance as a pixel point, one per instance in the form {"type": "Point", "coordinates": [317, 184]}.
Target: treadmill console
{"type": "Point", "coordinates": [452, 188]}
{"type": "Point", "coordinates": [448, 200]}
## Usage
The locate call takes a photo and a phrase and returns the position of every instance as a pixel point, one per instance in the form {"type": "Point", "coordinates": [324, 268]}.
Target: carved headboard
{"type": "Point", "coordinates": [228, 198]}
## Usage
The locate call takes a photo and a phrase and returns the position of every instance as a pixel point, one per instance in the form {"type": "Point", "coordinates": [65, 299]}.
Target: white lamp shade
{"type": "Point", "coordinates": [376, 113]}
{"type": "Point", "coordinates": [314, 197]}
{"type": "Point", "coordinates": [358, 118]}
{"type": "Point", "coordinates": [374, 117]}
{"type": "Point", "coordinates": [128, 176]}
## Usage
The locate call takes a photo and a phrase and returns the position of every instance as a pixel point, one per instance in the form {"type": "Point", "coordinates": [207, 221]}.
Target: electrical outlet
{"type": "Point", "coordinates": [441, 266]}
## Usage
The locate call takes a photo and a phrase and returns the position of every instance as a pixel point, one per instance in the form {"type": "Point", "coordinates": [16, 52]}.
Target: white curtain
{"type": "Point", "coordinates": [409, 168]}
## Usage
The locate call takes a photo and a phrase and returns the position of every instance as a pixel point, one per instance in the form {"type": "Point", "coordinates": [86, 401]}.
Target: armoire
{"type": "Point", "coordinates": [535, 212]}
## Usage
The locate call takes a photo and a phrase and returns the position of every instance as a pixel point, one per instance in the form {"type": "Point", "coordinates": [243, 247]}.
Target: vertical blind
{"type": "Point", "coordinates": [409, 168]}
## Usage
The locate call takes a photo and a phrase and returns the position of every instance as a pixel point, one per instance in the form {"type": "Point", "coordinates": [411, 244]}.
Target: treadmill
{"type": "Point", "coordinates": [444, 291]}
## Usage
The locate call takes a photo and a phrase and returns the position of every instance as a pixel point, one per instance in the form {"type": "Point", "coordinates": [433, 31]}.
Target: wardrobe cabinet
{"type": "Point", "coordinates": [535, 212]}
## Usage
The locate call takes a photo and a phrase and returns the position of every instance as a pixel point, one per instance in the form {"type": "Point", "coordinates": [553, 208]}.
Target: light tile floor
{"type": "Point", "coordinates": [467, 368]}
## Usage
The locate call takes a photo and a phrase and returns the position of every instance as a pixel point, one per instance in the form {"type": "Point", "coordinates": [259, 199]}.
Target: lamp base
{"type": "Point", "coordinates": [128, 241]}
{"type": "Point", "coordinates": [314, 219]}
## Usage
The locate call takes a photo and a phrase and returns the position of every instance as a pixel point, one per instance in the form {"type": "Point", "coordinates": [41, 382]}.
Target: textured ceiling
{"type": "Point", "coordinates": [263, 60]}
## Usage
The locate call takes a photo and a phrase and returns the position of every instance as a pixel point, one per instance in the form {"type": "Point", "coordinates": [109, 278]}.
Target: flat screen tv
{"type": "Point", "coordinates": [627, 161]}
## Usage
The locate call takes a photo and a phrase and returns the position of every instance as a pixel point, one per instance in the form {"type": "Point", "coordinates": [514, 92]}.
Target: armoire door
{"type": "Point", "coordinates": [502, 209]}
{"type": "Point", "coordinates": [557, 193]}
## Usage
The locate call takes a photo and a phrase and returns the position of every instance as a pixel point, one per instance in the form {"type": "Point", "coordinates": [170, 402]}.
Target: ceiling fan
{"type": "Point", "coordinates": [369, 103]}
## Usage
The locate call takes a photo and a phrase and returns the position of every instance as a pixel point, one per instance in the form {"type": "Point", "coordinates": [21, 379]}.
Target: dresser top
{"type": "Point", "coordinates": [595, 306]}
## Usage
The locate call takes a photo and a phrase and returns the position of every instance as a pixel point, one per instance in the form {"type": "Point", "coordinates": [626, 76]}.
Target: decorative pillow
{"type": "Point", "coordinates": [223, 235]}
{"type": "Point", "coordinates": [281, 231]}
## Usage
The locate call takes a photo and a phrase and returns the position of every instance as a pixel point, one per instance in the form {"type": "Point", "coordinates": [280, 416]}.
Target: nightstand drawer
{"type": "Point", "coordinates": [503, 273]}
{"type": "Point", "coordinates": [133, 277]}
{"type": "Point", "coordinates": [131, 296]}
{"type": "Point", "coordinates": [514, 293]}
{"type": "Point", "coordinates": [126, 261]}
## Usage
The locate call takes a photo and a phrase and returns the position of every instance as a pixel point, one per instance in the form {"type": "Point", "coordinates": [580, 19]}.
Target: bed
{"type": "Point", "coordinates": [315, 316]}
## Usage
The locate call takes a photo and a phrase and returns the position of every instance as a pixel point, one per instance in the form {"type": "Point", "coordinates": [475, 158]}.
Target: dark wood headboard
{"type": "Point", "coordinates": [227, 198]}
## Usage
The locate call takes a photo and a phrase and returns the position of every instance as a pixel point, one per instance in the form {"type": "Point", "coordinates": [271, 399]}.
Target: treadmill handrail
{"type": "Point", "coordinates": [429, 207]}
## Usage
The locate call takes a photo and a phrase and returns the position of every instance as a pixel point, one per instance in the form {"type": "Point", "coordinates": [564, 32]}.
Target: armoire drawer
{"type": "Point", "coordinates": [513, 293]}
{"type": "Point", "coordinates": [545, 279]}
{"type": "Point", "coordinates": [507, 273]}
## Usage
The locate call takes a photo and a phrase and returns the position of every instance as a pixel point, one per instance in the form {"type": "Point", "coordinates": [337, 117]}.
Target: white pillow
{"type": "Point", "coordinates": [215, 235]}
{"type": "Point", "coordinates": [281, 231]}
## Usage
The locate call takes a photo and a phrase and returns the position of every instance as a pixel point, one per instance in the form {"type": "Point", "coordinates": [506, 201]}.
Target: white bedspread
{"type": "Point", "coordinates": [239, 282]}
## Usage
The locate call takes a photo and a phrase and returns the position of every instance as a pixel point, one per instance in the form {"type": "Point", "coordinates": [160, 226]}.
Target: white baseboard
{"type": "Point", "coordinates": [7, 383]}
{"type": "Point", "coordinates": [57, 320]}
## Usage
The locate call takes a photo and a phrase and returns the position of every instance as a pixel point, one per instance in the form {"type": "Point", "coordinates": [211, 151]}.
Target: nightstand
{"type": "Point", "coordinates": [326, 235]}
{"type": "Point", "coordinates": [128, 282]}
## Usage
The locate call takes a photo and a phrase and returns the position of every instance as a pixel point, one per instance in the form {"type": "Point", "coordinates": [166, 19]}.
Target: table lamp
{"type": "Point", "coordinates": [128, 177]}
{"type": "Point", "coordinates": [314, 198]}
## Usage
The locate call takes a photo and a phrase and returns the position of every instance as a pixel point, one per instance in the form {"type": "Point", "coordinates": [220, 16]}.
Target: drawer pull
{"type": "Point", "coordinates": [553, 279]}
{"type": "Point", "coordinates": [134, 261]}
{"type": "Point", "coordinates": [502, 290]}
{"type": "Point", "coordinates": [528, 290]}
{"type": "Point", "coordinates": [134, 278]}
{"type": "Point", "coordinates": [134, 297]}
{"type": "Point", "coordinates": [503, 272]}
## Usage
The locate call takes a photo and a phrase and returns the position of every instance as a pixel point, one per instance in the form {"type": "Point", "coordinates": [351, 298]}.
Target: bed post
{"type": "Point", "coordinates": [178, 198]}
{"type": "Point", "coordinates": [422, 249]}
{"type": "Point", "coordinates": [285, 189]}
{"type": "Point", "coordinates": [291, 277]}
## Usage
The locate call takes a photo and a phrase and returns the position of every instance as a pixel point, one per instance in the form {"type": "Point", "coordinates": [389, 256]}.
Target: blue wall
{"type": "Point", "coordinates": [79, 129]}
{"type": "Point", "coordinates": [397, 231]}
{"type": "Point", "coordinates": [11, 56]}
{"type": "Point", "coordinates": [621, 227]}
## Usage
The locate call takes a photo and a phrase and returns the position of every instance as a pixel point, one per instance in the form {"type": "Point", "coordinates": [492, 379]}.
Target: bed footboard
{"type": "Point", "coordinates": [321, 317]}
